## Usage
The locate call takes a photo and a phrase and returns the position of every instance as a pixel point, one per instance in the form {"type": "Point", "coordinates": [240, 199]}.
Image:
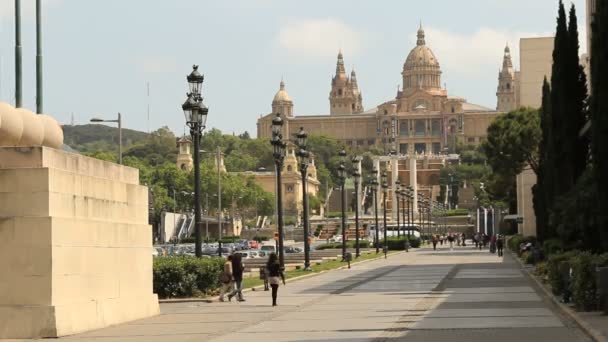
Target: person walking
{"type": "Point", "coordinates": [500, 245]}
{"type": "Point", "coordinates": [227, 284]}
{"type": "Point", "coordinates": [451, 240]}
{"type": "Point", "coordinates": [463, 238]}
{"type": "Point", "coordinates": [275, 274]}
{"type": "Point", "coordinates": [493, 243]}
{"type": "Point", "coordinates": [434, 240]}
{"type": "Point", "coordinates": [237, 276]}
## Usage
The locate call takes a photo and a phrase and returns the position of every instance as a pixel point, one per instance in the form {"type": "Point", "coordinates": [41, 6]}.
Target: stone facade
{"type": "Point", "coordinates": [184, 158]}
{"type": "Point", "coordinates": [421, 117]}
{"type": "Point", "coordinates": [536, 58]}
{"type": "Point", "coordinates": [77, 247]}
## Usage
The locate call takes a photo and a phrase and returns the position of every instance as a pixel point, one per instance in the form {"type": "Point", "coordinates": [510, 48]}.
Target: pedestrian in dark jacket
{"type": "Point", "coordinates": [237, 275]}
{"type": "Point", "coordinates": [275, 275]}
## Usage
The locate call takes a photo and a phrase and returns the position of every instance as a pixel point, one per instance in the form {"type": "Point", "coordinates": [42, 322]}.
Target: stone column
{"type": "Point", "coordinates": [414, 182]}
{"type": "Point", "coordinates": [394, 177]}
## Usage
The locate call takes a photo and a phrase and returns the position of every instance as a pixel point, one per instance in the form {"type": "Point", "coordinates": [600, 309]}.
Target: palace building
{"type": "Point", "coordinates": [421, 118]}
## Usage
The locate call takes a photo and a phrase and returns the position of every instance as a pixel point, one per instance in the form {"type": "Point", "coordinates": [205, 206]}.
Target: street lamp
{"type": "Point", "coordinates": [410, 208]}
{"type": "Point", "coordinates": [384, 191]}
{"type": "Point", "coordinates": [374, 185]}
{"type": "Point", "coordinates": [304, 156]}
{"type": "Point", "coordinates": [398, 197]}
{"type": "Point", "coordinates": [119, 121]}
{"type": "Point", "coordinates": [357, 178]}
{"type": "Point", "coordinates": [196, 118]}
{"type": "Point", "coordinates": [342, 178]}
{"type": "Point", "coordinates": [278, 153]}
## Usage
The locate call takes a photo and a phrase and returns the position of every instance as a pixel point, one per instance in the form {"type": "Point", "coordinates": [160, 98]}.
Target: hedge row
{"type": "Point", "coordinates": [574, 271]}
{"type": "Point", "coordinates": [349, 244]}
{"type": "Point", "coordinates": [186, 276]}
{"type": "Point", "coordinates": [398, 244]}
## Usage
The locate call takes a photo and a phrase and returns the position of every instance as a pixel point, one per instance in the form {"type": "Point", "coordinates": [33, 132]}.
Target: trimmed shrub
{"type": "Point", "coordinates": [556, 266]}
{"type": "Point", "coordinates": [261, 238]}
{"type": "Point", "coordinates": [186, 276]}
{"type": "Point", "coordinates": [398, 244]}
{"type": "Point", "coordinates": [584, 286]}
{"type": "Point", "coordinates": [318, 230]}
{"type": "Point", "coordinates": [349, 244]}
{"type": "Point", "coordinates": [514, 241]}
{"type": "Point", "coordinates": [541, 270]}
{"type": "Point", "coordinates": [552, 246]}
{"type": "Point", "coordinates": [527, 257]}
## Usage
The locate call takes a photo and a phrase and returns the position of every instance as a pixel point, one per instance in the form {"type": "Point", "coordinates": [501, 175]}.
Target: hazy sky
{"type": "Point", "coordinates": [100, 54]}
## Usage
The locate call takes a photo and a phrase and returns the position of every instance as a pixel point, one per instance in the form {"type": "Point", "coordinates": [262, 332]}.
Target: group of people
{"type": "Point", "coordinates": [495, 241]}
{"type": "Point", "coordinates": [231, 277]}
{"type": "Point", "coordinates": [480, 240]}
{"type": "Point", "coordinates": [450, 238]}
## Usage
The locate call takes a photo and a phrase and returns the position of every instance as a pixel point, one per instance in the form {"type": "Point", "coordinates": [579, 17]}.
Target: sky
{"type": "Point", "coordinates": [102, 57]}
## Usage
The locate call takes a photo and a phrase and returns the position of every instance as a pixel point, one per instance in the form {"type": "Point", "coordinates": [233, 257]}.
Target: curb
{"type": "Point", "coordinates": [591, 332]}
{"type": "Point", "coordinates": [255, 288]}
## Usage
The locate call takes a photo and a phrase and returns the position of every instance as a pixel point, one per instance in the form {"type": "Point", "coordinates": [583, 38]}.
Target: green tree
{"type": "Point", "coordinates": [599, 114]}
{"type": "Point", "coordinates": [542, 191]}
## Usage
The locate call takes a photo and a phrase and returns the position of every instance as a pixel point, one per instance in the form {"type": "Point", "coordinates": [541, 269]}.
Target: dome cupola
{"type": "Point", "coordinates": [421, 69]}
{"type": "Point", "coordinates": [282, 103]}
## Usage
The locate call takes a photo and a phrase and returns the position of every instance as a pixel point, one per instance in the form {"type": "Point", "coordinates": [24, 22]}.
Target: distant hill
{"type": "Point", "coordinates": [92, 138]}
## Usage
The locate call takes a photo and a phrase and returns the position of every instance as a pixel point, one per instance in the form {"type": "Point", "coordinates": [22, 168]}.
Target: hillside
{"type": "Point", "coordinates": [92, 138]}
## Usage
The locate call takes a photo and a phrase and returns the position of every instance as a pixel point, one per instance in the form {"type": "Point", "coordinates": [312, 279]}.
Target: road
{"type": "Point", "coordinates": [460, 295]}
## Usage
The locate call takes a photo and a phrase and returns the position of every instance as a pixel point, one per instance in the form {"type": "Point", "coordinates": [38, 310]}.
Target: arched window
{"type": "Point", "coordinates": [289, 168]}
{"type": "Point", "coordinates": [339, 92]}
{"type": "Point", "coordinates": [508, 86]}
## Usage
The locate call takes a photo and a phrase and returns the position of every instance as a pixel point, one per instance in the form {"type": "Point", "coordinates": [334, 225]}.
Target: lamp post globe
{"type": "Point", "coordinates": [195, 81]}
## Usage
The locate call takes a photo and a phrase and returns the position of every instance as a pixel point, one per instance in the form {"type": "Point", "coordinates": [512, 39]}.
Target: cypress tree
{"type": "Point", "coordinates": [542, 190]}
{"type": "Point", "coordinates": [578, 147]}
{"type": "Point", "coordinates": [557, 170]}
{"type": "Point", "coordinates": [599, 113]}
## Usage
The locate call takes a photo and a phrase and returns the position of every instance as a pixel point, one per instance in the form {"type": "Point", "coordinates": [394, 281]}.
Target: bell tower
{"type": "Point", "coordinates": [184, 158]}
{"type": "Point", "coordinates": [506, 92]}
{"type": "Point", "coordinates": [345, 96]}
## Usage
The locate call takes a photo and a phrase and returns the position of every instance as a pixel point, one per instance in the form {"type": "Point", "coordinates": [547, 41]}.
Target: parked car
{"type": "Point", "coordinates": [269, 248]}
{"type": "Point", "coordinates": [254, 244]}
{"type": "Point", "coordinates": [248, 254]}
{"type": "Point", "coordinates": [291, 249]}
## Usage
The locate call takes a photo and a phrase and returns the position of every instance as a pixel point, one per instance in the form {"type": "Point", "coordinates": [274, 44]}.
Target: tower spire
{"type": "Point", "coordinates": [421, 40]}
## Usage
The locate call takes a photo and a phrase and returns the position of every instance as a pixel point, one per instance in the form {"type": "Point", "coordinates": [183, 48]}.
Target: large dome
{"type": "Point", "coordinates": [281, 95]}
{"type": "Point", "coordinates": [421, 68]}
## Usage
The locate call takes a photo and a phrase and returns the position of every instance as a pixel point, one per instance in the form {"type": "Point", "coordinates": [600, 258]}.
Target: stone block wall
{"type": "Point", "coordinates": [77, 247]}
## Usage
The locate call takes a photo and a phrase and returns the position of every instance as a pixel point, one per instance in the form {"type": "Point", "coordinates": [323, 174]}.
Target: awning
{"type": "Point", "coordinates": [511, 217]}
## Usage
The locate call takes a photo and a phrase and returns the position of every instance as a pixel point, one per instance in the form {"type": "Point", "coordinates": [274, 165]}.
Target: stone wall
{"type": "Point", "coordinates": [77, 247]}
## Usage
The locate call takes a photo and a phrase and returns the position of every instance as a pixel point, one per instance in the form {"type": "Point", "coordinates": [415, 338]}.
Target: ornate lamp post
{"type": "Point", "coordinates": [342, 177]}
{"type": "Point", "coordinates": [357, 178]}
{"type": "Point", "coordinates": [403, 195]}
{"type": "Point", "coordinates": [304, 156]}
{"type": "Point", "coordinates": [384, 191]}
{"type": "Point", "coordinates": [278, 153]}
{"type": "Point", "coordinates": [374, 185]}
{"type": "Point", "coordinates": [196, 117]}
{"type": "Point", "coordinates": [398, 193]}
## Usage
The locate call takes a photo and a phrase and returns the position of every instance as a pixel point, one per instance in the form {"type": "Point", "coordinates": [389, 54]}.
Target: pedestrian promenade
{"type": "Point", "coordinates": [461, 295]}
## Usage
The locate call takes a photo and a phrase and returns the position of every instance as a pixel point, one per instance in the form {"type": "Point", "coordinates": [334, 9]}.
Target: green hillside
{"type": "Point", "coordinates": [92, 138]}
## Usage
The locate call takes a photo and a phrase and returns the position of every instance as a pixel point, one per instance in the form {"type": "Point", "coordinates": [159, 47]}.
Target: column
{"type": "Point", "coordinates": [414, 182]}
{"type": "Point", "coordinates": [394, 177]}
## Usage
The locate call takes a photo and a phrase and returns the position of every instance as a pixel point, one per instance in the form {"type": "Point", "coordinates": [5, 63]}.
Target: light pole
{"type": "Point", "coordinates": [278, 153]}
{"type": "Point", "coordinates": [403, 195]}
{"type": "Point", "coordinates": [196, 117]}
{"type": "Point", "coordinates": [374, 185]}
{"type": "Point", "coordinates": [119, 121]}
{"type": "Point", "coordinates": [398, 197]}
{"type": "Point", "coordinates": [304, 156]}
{"type": "Point", "coordinates": [342, 177]}
{"type": "Point", "coordinates": [357, 178]}
{"type": "Point", "coordinates": [410, 205]}
{"type": "Point", "coordinates": [384, 192]}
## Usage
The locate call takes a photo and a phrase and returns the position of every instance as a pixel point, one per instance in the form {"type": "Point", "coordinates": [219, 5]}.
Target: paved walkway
{"type": "Point", "coordinates": [460, 295]}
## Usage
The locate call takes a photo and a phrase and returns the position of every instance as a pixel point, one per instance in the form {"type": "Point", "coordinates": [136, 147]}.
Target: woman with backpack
{"type": "Point", "coordinates": [227, 285]}
{"type": "Point", "coordinates": [275, 275]}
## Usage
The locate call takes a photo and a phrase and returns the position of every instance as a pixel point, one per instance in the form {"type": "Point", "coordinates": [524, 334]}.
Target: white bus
{"type": "Point", "coordinates": [412, 230]}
